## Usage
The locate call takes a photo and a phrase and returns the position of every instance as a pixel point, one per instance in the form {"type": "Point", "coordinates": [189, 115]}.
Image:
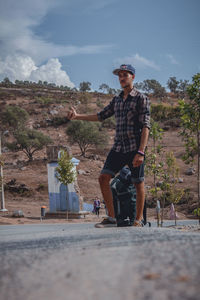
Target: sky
{"type": "Point", "coordinates": [70, 41]}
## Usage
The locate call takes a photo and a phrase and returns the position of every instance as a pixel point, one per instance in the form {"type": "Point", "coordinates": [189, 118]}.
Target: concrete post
{"type": "Point", "coordinates": [2, 199]}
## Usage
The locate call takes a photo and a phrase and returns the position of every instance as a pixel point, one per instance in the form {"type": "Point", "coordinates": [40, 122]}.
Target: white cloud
{"type": "Point", "coordinates": [137, 61]}
{"type": "Point", "coordinates": [23, 67]}
{"type": "Point", "coordinates": [51, 72]}
{"type": "Point", "coordinates": [18, 20]}
{"type": "Point", "coordinates": [172, 60]}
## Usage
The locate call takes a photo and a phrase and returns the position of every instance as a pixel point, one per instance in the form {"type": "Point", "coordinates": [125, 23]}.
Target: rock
{"type": "Point", "coordinates": [81, 172]}
{"type": "Point", "coordinates": [48, 120]}
{"type": "Point", "coordinates": [9, 164]}
{"type": "Point", "coordinates": [43, 124]}
{"type": "Point", "coordinates": [53, 112]}
{"type": "Point", "coordinates": [12, 187]}
{"type": "Point", "coordinates": [148, 187]}
{"type": "Point", "coordinates": [37, 125]}
{"type": "Point", "coordinates": [5, 149]}
{"type": "Point", "coordinates": [18, 214]}
{"type": "Point", "coordinates": [180, 180]}
{"type": "Point", "coordinates": [20, 163]}
{"type": "Point", "coordinates": [166, 128]}
{"type": "Point", "coordinates": [94, 157]}
{"type": "Point", "coordinates": [23, 168]}
{"type": "Point", "coordinates": [190, 171]}
{"type": "Point", "coordinates": [6, 133]}
{"type": "Point", "coordinates": [12, 181]}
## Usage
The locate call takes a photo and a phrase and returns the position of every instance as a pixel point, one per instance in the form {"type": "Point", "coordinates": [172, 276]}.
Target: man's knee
{"type": "Point", "coordinates": [139, 186]}
{"type": "Point", "coordinates": [104, 178]}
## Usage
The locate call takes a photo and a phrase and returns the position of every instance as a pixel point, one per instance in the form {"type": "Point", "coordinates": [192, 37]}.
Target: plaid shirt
{"type": "Point", "coordinates": [131, 116]}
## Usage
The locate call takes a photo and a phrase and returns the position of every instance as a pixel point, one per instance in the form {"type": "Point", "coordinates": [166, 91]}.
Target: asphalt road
{"type": "Point", "coordinates": [78, 261]}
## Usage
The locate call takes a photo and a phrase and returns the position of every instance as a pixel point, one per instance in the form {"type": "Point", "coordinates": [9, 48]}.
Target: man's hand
{"type": "Point", "coordinates": [71, 115]}
{"type": "Point", "coordinates": [138, 160]}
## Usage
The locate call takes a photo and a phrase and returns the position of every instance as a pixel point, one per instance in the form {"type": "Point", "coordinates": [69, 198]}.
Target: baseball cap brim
{"type": "Point", "coordinates": [116, 71]}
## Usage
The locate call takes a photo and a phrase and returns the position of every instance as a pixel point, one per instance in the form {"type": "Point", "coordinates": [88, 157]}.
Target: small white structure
{"type": "Point", "coordinates": [61, 197]}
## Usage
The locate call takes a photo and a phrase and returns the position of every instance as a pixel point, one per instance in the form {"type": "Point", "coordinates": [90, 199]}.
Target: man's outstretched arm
{"type": "Point", "coordinates": [72, 115]}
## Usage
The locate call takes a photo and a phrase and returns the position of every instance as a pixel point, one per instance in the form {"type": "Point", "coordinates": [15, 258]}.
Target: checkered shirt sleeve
{"type": "Point", "coordinates": [107, 112]}
{"type": "Point", "coordinates": [144, 112]}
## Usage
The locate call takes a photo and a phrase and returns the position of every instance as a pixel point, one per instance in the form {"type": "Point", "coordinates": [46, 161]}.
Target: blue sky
{"type": "Point", "coordinates": [83, 40]}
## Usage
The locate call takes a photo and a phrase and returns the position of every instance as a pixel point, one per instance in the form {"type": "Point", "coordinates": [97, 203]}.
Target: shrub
{"type": "Point", "coordinates": [162, 112]}
{"type": "Point", "coordinates": [58, 121]}
{"type": "Point", "coordinates": [45, 101]}
{"type": "Point", "coordinates": [14, 116]}
{"type": "Point", "coordinates": [174, 123]}
{"type": "Point", "coordinates": [99, 103]}
{"type": "Point", "coordinates": [85, 98]}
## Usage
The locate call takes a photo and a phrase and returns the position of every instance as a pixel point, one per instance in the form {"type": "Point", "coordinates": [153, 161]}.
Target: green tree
{"type": "Point", "coordinates": [14, 116]}
{"type": "Point", "coordinates": [196, 212]}
{"type": "Point", "coordinates": [154, 163]}
{"type": "Point", "coordinates": [172, 84]}
{"type": "Point", "coordinates": [154, 87]}
{"type": "Point", "coordinates": [182, 87]}
{"type": "Point", "coordinates": [85, 86]}
{"type": "Point", "coordinates": [169, 188]}
{"type": "Point", "coordinates": [6, 82]}
{"type": "Point", "coordinates": [112, 91]}
{"type": "Point", "coordinates": [190, 118]}
{"type": "Point", "coordinates": [138, 85]}
{"type": "Point", "coordinates": [65, 170]}
{"type": "Point", "coordinates": [29, 141]}
{"type": "Point", "coordinates": [104, 87]}
{"type": "Point", "coordinates": [86, 134]}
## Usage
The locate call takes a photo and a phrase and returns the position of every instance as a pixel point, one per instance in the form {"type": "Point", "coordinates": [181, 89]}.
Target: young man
{"type": "Point", "coordinates": [132, 113]}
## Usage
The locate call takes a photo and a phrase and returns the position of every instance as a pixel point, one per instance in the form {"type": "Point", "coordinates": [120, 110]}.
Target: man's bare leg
{"type": "Point", "coordinates": [140, 194]}
{"type": "Point", "coordinates": [104, 181]}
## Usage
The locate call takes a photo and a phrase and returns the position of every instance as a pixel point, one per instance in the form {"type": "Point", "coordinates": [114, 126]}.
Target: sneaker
{"type": "Point", "coordinates": [106, 222]}
{"type": "Point", "coordinates": [138, 223]}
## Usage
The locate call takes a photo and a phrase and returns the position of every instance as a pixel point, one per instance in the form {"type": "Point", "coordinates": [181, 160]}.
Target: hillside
{"type": "Point", "coordinates": [47, 109]}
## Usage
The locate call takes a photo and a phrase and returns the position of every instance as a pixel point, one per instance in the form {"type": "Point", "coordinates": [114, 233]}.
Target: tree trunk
{"type": "Point", "coordinates": [162, 215]}
{"type": "Point", "coordinates": [154, 175]}
{"type": "Point", "coordinates": [175, 215]}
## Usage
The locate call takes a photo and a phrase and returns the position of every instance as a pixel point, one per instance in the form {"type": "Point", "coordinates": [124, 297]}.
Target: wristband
{"type": "Point", "coordinates": [140, 152]}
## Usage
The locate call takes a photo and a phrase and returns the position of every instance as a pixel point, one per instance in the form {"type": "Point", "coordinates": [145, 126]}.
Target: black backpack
{"type": "Point", "coordinates": [124, 198]}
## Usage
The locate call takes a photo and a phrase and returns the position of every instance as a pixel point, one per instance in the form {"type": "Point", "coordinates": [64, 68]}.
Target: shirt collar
{"type": "Point", "coordinates": [132, 93]}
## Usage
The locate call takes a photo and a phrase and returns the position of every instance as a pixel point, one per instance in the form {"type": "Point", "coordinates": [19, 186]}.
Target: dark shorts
{"type": "Point", "coordinates": [117, 160]}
